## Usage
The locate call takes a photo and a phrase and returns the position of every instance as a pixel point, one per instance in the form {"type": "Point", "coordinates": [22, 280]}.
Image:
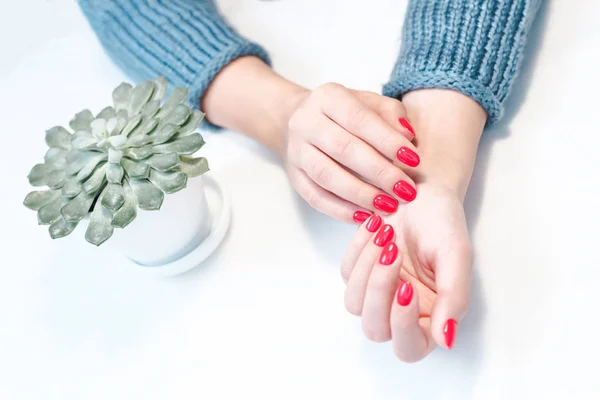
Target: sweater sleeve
{"type": "Point", "coordinates": [187, 41]}
{"type": "Point", "coordinates": [472, 46]}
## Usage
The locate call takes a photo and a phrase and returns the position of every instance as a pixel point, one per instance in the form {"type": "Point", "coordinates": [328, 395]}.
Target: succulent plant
{"type": "Point", "coordinates": [127, 157]}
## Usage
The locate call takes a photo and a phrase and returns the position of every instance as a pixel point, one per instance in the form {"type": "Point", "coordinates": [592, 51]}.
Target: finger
{"type": "Point", "coordinates": [379, 296]}
{"type": "Point", "coordinates": [332, 177]}
{"type": "Point", "coordinates": [357, 284]}
{"type": "Point", "coordinates": [389, 109]}
{"type": "Point", "coordinates": [322, 200]}
{"type": "Point", "coordinates": [340, 105]}
{"type": "Point", "coordinates": [363, 160]}
{"type": "Point", "coordinates": [358, 243]}
{"type": "Point", "coordinates": [411, 338]}
{"type": "Point", "coordinates": [453, 282]}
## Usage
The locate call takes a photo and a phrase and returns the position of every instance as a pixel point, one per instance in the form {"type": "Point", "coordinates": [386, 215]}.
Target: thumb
{"type": "Point", "coordinates": [453, 281]}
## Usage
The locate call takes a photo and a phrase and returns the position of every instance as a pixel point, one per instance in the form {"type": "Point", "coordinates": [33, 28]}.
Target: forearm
{"type": "Point", "coordinates": [187, 41]}
{"type": "Point", "coordinates": [247, 96]}
{"type": "Point", "coordinates": [448, 127]}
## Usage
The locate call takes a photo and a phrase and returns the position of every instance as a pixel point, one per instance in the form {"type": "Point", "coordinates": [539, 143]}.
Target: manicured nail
{"type": "Point", "coordinates": [360, 217]}
{"type": "Point", "coordinates": [408, 157]}
{"type": "Point", "coordinates": [404, 122]}
{"type": "Point", "coordinates": [385, 203]}
{"type": "Point", "coordinates": [384, 235]}
{"type": "Point", "coordinates": [405, 191]}
{"type": "Point", "coordinates": [405, 293]}
{"type": "Point", "coordinates": [374, 223]}
{"type": "Point", "coordinates": [450, 332]}
{"type": "Point", "coordinates": [389, 254]}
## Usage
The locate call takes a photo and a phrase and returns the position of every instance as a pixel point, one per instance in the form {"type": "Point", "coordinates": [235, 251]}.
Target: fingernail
{"type": "Point", "coordinates": [384, 235]}
{"type": "Point", "coordinates": [385, 203]}
{"type": "Point", "coordinates": [374, 223]}
{"type": "Point", "coordinates": [408, 157]}
{"type": "Point", "coordinates": [404, 122]}
{"type": "Point", "coordinates": [360, 217]}
{"type": "Point", "coordinates": [389, 254]}
{"type": "Point", "coordinates": [405, 191]}
{"type": "Point", "coordinates": [450, 332]}
{"type": "Point", "coordinates": [405, 293]}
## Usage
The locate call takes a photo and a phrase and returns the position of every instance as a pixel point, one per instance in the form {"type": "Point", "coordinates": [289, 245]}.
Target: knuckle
{"type": "Point", "coordinates": [341, 148]}
{"type": "Point", "coordinates": [329, 89]}
{"type": "Point", "coordinates": [357, 117]}
{"type": "Point", "coordinates": [322, 173]}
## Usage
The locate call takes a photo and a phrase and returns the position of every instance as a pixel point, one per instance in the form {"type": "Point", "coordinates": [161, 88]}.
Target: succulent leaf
{"type": "Point", "coordinates": [150, 109]}
{"type": "Point", "coordinates": [38, 176]}
{"type": "Point", "coordinates": [50, 212]}
{"type": "Point", "coordinates": [71, 188]}
{"type": "Point", "coordinates": [82, 120]}
{"type": "Point", "coordinates": [61, 228]}
{"type": "Point", "coordinates": [128, 210]}
{"type": "Point", "coordinates": [164, 162]}
{"type": "Point", "coordinates": [185, 145]}
{"type": "Point", "coordinates": [164, 134]}
{"type": "Point", "coordinates": [177, 116]}
{"type": "Point", "coordinates": [38, 199]}
{"type": "Point", "coordinates": [100, 228]}
{"type": "Point", "coordinates": [56, 179]}
{"type": "Point", "coordinates": [114, 173]}
{"type": "Point", "coordinates": [77, 208]}
{"type": "Point", "coordinates": [160, 89]}
{"type": "Point", "coordinates": [135, 170]}
{"type": "Point", "coordinates": [139, 141]}
{"type": "Point", "coordinates": [56, 156]}
{"type": "Point", "coordinates": [96, 181]}
{"type": "Point", "coordinates": [58, 137]}
{"type": "Point", "coordinates": [114, 197]}
{"type": "Point", "coordinates": [121, 96]}
{"type": "Point", "coordinates": [148, 196]}
{"type": "Point", "coordinates": [107, 113]}
{"type": "Point", "coordinates": [140, 95]}
{"type": "Point", "coordinates": [90, 166]}
{"type": "Point", "coordinates": [193, 166]}
{"type": "Point", "coordinates": [131, 125]}
{"type": "Point", "coordinates": [192, 123]}
{"type": "Point", "coordinates": [168, 182]}
{"type": "Point", "coordinates": [81, 160]}
{"type": "Point", "coordinates": [138, 153]}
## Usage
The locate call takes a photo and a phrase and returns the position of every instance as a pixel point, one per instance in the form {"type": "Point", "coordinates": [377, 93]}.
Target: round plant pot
{"type": "Point", "coordinates": [179, 236]}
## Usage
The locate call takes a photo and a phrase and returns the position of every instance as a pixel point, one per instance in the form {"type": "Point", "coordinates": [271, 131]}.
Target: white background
{"type": "Point", "coordinates": [264, 317]}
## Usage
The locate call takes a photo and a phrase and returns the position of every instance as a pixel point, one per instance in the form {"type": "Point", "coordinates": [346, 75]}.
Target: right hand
{"type": "Point", "coordinates": [348, 152]}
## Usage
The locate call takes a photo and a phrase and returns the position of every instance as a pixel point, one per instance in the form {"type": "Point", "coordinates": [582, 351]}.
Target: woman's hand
{"type": "Point", "coordinates": [408, 276]}
{"type": "Point", "coordinates": [348, 152]}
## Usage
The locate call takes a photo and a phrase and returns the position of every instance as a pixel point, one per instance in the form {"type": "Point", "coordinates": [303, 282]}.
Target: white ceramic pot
{"type": "Point", "coordinates": [181, 234]}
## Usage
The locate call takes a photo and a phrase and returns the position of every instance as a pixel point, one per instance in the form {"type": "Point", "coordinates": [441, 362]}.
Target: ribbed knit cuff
{"type": "Point", "coordinates": [472, 46]}
{"type": "Point", "coordinates": [187, 41]}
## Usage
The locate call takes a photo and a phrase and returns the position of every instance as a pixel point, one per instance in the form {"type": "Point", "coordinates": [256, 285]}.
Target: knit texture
{"type": "Point", "coordinates": [473, 46]}
{"type": "Point", "coordinates": [187, 41]}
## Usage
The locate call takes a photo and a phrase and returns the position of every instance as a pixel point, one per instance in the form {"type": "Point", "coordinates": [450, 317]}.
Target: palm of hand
{"type": "Point", "coordinates": [434, 256]}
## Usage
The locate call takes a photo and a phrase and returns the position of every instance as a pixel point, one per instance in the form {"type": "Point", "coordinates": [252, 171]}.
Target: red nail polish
{"type": "Point", "coordinates": [404, 122]}
{"type": "Point", "coordinates": [389, 254]}
{"type": "Point", "coordinates": [360, 217]}
{"type": "Point", "coordinates": [374, 223]}
{"type": "Point", "coordinates": [405, 293]}
{"type": "Point", "coordinates": [384, 235]}
{"type": "Point", "coordinates": [405, 191]}
{"type": "Point", "coordinates": [408, 157]}
{"type": "Point", "coordinates": [385, 203]}
{"type": "Point", "coordinates": [450, 332]}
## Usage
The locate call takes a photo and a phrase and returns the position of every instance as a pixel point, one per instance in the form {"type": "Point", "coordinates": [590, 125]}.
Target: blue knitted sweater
{"type": "Point", "coordinates": [473, 46]}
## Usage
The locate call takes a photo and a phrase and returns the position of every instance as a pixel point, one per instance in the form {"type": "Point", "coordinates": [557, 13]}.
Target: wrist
{"type": "Point", "coordinates": [249, 97]}
{"type": "Point", "coordinates": [448, 127]}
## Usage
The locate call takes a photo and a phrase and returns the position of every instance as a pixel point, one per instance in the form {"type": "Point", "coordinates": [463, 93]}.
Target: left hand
{"type": "Point", "coordinates": [409, 280]}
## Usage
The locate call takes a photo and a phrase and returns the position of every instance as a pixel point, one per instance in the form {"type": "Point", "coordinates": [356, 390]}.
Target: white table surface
{"type": "Point", "coordinates": [264, 317]}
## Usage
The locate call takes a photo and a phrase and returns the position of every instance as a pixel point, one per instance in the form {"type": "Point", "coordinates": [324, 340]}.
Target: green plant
{"type": "Point", "coordinates": [126, 157]}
